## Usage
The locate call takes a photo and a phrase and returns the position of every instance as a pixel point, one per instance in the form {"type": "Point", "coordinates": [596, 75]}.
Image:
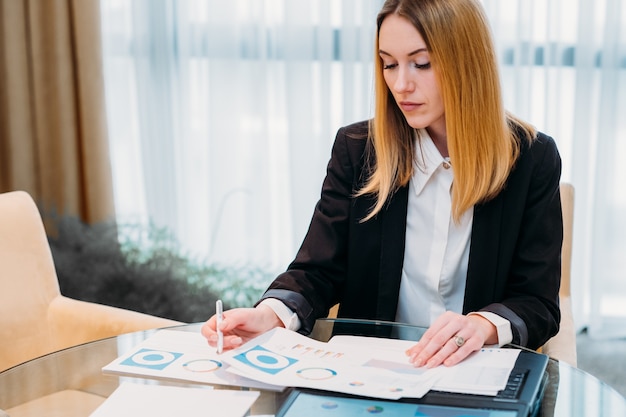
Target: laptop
{"type": "Point", "coordinates": [521, 398]}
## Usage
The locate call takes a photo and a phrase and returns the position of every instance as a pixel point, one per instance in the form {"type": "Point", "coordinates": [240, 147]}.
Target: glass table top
{"type": "Point", "coordinates": [570, 392]}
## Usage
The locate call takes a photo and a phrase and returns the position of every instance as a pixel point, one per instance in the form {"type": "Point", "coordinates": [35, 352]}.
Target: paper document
{"type": "Point", "coordinates": [358, 365]}
{"type": "Point", "coordinates": [180, 356]}
{"type": "Point", "coordinates": [485, 372]}
{"type": "Point", "coordinates": [366, 366]}
{"type": "Point", "coordinates": [284, 357]}
{"type": "Point", "coordinates": [132, 400]}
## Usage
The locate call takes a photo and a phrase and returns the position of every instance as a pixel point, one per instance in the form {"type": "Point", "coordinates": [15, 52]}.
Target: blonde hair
{"type": "Point", "coordinates": [483, 139]}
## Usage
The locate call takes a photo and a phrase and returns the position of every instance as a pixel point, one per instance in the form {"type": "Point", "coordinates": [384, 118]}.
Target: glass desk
{"type": "Point", "coordinates": [74, 376]}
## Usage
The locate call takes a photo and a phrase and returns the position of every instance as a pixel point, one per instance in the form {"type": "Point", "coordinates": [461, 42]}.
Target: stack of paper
{"type": "Point", "coordinates": [132, 400]}
{"type": "Point", "coordinates": [484, 373]}
{"type": "Point", "coordinates": [287, 358]}
{"type": "Point", "coordinates": [180, 356]}
{"type": "Point", "coordinates": [366, 366]}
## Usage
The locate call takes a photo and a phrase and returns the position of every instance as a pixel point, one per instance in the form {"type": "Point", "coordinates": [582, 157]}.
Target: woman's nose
{"type": "Point", "coordinates": [403, 82]}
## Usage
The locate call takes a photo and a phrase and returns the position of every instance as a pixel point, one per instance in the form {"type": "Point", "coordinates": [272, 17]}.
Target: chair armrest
{"type": "Point", "coordinates": [74, 322]}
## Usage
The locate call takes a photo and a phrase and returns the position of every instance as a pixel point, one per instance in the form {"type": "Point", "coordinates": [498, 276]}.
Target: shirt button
{"type": "Point", "coordinates": [446, 165]}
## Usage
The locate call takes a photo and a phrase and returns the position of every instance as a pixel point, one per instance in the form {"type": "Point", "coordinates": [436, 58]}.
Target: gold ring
{"type": "Point", "coordinates": [458, 340]}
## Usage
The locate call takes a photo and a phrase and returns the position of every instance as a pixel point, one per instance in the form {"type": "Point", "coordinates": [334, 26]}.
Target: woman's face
{"type": "Point", "coordinates": [409, 76]}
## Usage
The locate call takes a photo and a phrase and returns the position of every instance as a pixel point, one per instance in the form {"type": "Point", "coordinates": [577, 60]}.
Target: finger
{"type": "Point", "coordinates": [423, 354]}
{"type": "Point", "coordinates": [208, 328]}
{"type": "Point", "coordinates": [432, 331]}
{"type": "Point", "coordinates": [469, 347]}
{"type": "Point", "coordinates": [228, 343]}
{"type": "Point", "coordinates": [236, 319]}
{"type": "Point", "coordinates": [457, 348]}
{"type": "Point", "coordinates": [229, 321]}
{"type": "Point", "coordinates": [443, 327]}
{"type": "Point", "coordinates": [442, 354]}
{"type": "Point", "coordinates": [232, 342]}
{"type": "Point", "coordinates": [426, 339]}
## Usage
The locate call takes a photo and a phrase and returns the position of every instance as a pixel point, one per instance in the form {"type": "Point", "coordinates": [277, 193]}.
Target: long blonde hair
{"type": "Point", "coordinates": [482, 137]}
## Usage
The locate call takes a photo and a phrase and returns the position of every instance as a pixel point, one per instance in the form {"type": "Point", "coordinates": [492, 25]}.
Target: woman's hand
{"type": "Point", "coordinates": [452, 338]}
{"type": "Point", "coordinates": [240, 325]}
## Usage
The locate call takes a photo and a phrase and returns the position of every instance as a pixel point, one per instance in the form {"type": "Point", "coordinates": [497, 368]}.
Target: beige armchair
{"type": "Point", "coordinates": [35, 319]}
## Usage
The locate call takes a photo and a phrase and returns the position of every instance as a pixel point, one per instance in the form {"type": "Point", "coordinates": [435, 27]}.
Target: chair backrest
{"type": "Point", "coordinates": [28, 279]}
{"type": "Point", "coordinates": [563, 345]}
{"type": "Point", "coordinates": [35, 319]}
{"type": "Point", "coordinates": [567, 206]}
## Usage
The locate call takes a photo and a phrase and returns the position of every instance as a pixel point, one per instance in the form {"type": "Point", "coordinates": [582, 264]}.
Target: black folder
{"type": "Point", "coordinates": [521, 398]}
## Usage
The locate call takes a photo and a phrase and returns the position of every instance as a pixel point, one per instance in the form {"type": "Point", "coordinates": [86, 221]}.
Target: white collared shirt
{"type": "Point", "coordinates": [436, 253]}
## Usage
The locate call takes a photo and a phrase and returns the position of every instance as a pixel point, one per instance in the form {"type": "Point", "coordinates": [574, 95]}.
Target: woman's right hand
{"type": "Point", "coordinates": [240, 325]}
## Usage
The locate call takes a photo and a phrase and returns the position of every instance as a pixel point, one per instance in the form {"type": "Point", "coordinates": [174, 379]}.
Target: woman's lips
{"type": "Point", "coordinates": [408, 106]}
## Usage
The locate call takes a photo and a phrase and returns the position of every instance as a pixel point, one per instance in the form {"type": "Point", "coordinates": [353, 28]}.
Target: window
{"type": "Point", "coordinates": [222, 114]}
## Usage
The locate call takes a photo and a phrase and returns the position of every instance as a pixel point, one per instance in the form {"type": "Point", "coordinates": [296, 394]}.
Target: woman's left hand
{"type": "Point", "coordinates": [452, 338]}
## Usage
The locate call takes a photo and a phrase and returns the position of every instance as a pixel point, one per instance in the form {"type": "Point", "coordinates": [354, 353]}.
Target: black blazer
{"type": "Point", "coordinates": [514, 263]}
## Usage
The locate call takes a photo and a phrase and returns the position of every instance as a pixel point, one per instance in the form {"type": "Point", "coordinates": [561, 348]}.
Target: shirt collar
{"type": "Point", "coordinates": [427, 160]}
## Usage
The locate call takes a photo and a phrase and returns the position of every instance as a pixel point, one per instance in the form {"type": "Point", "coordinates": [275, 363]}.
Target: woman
{"type": "Point", "coordinates": [443, 211]}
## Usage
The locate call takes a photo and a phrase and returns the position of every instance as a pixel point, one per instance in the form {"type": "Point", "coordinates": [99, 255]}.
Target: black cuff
{"type": "Point", "coordinates": [297, 303]}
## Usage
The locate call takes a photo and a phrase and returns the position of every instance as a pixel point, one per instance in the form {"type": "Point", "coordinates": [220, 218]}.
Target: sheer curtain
{"type": "Point", "coordinates": [564, 69]}
{"type": "Point", "coordinates": [222, 114]}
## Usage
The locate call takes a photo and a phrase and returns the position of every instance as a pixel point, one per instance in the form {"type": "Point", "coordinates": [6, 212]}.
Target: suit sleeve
{"type": "Point", "coordinates": [530, 300]}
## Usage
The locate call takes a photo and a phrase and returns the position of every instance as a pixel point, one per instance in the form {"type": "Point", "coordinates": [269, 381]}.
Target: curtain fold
{"type": "Point", "coordinates": [52, 109]}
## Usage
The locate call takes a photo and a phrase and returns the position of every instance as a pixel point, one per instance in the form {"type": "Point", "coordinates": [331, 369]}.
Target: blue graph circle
{"type": "Point", "coordinates": [266, 360]}
{"type": "Point", "coordinates": [316, 374]}
{"type": "Point", "coordinates": [153, 357]}
{"type": "Point", "coordinates": [202, 365]}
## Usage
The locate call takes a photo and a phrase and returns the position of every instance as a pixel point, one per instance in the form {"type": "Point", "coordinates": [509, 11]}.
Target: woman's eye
{"type": "Point", "coordinates": [389, 66]}
{"type": "Point", "coordinates": [422, 66]}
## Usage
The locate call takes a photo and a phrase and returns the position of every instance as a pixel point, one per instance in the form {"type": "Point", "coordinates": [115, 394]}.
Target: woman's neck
{"type": "Point", "coordinates": [440, 139]}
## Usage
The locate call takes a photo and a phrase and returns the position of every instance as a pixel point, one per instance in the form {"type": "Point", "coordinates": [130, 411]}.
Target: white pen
{"type": "Point", "coordinates": [219, 311]}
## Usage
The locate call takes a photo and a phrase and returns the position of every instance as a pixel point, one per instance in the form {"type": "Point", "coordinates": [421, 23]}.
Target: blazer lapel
{"type": "Point", "coordinates": [483, 258]}
{"type": "Point", "coordinates": [393, 236]}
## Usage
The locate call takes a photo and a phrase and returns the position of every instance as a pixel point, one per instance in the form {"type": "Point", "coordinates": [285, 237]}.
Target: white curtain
{"type": "Point", "coordinates": [222, 114]}
{"type": "Point", "coordinates": [564, 69]}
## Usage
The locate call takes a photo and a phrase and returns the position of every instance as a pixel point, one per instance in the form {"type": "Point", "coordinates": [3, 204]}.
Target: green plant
{"type": "Point", "coordinates": [141, 267]}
